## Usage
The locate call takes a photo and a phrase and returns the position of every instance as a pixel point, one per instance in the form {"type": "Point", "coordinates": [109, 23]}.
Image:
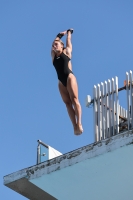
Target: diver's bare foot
{"type": "Point", "coordinates": [78, 130]}
{"type": "Point", "coordinates": [75, 130]}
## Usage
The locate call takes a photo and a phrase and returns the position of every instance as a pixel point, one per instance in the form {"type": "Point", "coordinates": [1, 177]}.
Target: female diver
{"type": "Point", "coordinates": [61, 58]}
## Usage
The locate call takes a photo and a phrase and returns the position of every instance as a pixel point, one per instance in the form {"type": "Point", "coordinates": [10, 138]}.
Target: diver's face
{"type": "Point", "coordinates": [57, 46]}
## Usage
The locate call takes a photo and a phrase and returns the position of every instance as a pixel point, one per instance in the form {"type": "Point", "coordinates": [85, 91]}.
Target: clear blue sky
{"type": "Point", "coordinates": [30, 104]}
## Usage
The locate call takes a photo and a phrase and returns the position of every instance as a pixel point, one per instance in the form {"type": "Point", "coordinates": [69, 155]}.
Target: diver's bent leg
{"type": "Point", "coordinates": [66, 99]}
{"type": "Point", "coordinates": [77, 109]}
{"type": "Point", "coordinates": [71, 113]}
{"type": "Point", "coordinates": [72, 88]}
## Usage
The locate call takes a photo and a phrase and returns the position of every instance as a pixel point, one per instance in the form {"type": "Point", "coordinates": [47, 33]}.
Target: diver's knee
{"type": "Point", "coordinates": [68, 103]}
{"type": "Point", "coordinates": [75, 101]}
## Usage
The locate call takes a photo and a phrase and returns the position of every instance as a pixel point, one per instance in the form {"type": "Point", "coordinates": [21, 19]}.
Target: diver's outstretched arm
{"type": "Point", "coordinates": [68, 42]}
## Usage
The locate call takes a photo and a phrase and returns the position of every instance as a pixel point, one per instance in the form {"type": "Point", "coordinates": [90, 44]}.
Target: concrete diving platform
{"type": "Point", "coordinates": [102, 170]}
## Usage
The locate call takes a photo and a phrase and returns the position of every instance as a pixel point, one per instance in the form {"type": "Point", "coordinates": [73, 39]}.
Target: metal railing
{"type": "Point", "coordinates": [45, 152]}
{"type": "Point", "coordinates": [109, 117]}
{"type": "Point", "coordinates": [41, 146]}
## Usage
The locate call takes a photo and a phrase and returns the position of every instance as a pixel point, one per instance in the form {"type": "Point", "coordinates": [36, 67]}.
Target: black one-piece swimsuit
{"type": "Point", "coordinates": [61, 65]}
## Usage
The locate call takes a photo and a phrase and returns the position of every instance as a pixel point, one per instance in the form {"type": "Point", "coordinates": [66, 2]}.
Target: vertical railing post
{"type": "Point", "coordinates": [99, 112]}
{"type": "Point", "coordinates": [114, 118]}
{"type": "Point", "coordinates": [106, 116]}
{"type": "Point", "coordinates": [103, 113]}
{"type": "Point", "coordinates": [119, 109]}
{"type": "Point", "coordinates": [124, 113]}
{"type": "Point", "coordinates": [128, 100]}
{"type": "Point", "coordinates": [109, 106]}
{"type": "Point", "coordinates": [113, 112]}
{"type": "Point", "coordinates": [117, 105]}
{"type": "Point", "coordinates": [38, 153]}
{"type": "Point", "coordinates": [95, 114]}
{"type": "Point", "coordinates": [131, 97]}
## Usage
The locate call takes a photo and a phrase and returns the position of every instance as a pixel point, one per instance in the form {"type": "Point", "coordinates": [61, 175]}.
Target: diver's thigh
{"type": "Point", "coordinates": [72, 86]}
{"type": "Point", "coordinates": [64, 93]}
